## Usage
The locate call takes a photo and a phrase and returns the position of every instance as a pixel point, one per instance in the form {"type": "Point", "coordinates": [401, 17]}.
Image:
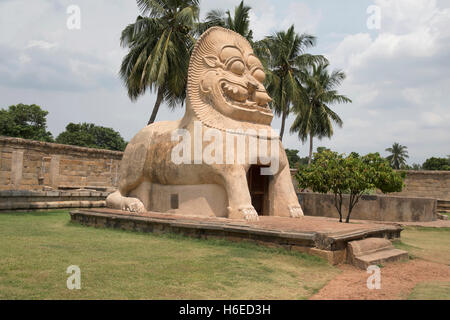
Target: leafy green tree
{"type": "Point", "coordinates": [239, 21]}
{"type": "Point", "coordinates": [314, 116]}
{"type": "Point", "coordinates": [159, 44]}
{"type": "Point", "coordinates": [398, 155]}
{"type": "Point", "coordinates": [284, 58]}
{"type": "Point", "coordinates": [352, 175]}
{"type": "Point", "coordinates": [320, 150]}
{"type": "Point", "coordinates": [303, 161]}
{"type": "Point", "coordinates": [25, 121]}
{"type": "Point", "coordinates": [434, 163]}
{"type": "Point", "coordinates": [294, 160]}
{"type": "Point", "coordinates": [91, 136]}
{"type": "Point", "coordinates": [293, 157]}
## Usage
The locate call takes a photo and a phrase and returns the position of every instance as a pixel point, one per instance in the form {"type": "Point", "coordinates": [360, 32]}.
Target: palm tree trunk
{"type": "Point", "coordinates": [283, 121]}
{"type": "Point", "coordinates": [159, 99]}
{"type": "Point", "coordinates": [310, 148]}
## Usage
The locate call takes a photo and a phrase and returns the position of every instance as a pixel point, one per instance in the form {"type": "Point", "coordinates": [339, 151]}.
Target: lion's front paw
{"type": "Point", "coordinates": [133, 205]}
{"type": "Point", "coordinates": [296, 212]}
{"type": "Point", "coordinates": [249, 214]}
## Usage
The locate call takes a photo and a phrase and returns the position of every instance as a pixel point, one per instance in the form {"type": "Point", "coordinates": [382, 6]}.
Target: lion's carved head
{"type": "Point", "coordinates": [225, 83]}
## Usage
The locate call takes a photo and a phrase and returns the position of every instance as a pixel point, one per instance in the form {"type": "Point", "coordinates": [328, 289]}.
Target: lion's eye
{"type": "Point", "coordinates": [259, 75]}
{"type": "Point", "coordinates": [237, 67]}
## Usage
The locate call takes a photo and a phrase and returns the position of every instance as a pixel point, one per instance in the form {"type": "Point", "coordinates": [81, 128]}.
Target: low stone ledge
{"type": "Point", "coordinates": [16, 200]}
{"type": "Point", "coordinates": [333, 257]}
{"type": "Point", "coordinates": [328, 245]}
{"type": "Point", "coordinates": [14, 206]}
{"type": "Point", "coordinates": [374, 207]}
{"type": "Point", "coordinates": [339, 242]}
{"type": "Point", "coordinates": [54, 193]}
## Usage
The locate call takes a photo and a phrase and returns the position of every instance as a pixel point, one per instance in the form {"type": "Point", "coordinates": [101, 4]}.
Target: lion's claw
{"type": "Point", "coordinates": [296, 212]}
{"type": "Point", "coordinates": [250, 214]}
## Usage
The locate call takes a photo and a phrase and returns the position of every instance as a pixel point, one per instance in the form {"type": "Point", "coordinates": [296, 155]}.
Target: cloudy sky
{"type": "Point", "coordinates": [398, 76]}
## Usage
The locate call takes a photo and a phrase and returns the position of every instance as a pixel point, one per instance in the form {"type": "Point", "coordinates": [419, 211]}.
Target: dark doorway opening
{"type": "Point", "coordinates": [258, 185]}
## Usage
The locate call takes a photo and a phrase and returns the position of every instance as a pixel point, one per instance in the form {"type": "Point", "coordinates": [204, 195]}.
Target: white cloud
{"type": "Point", "coordinates": [398, 79]}
{"type": "Point", "coordinates": [302, 16]}
{"type": "Point", "coordinates": [41, 44]}
{"type": "Point", "coordinates": [406, 16]}
{"type": "Point", "coordinates": [24, 59]}
{"type": "Point", "coordinates": [267, 17]}
{"type": "Point", "coordinates": [432, 119]}
{"type": "Point", "coordinates": [263, 23]}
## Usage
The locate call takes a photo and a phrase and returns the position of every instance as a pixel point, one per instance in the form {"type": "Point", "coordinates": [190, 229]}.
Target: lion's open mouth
{"type": "Point", "coordinates": [239, 96]}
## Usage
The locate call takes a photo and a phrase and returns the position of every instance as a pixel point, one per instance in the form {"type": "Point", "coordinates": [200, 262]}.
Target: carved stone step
{"type": "Point", "coordinates": [441, 216]}
{"type": "Point", "coordinates": [373, 251]}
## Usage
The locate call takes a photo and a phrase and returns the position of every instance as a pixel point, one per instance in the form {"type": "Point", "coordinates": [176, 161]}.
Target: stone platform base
{"type": "Point", "coordinates": [314, 235]}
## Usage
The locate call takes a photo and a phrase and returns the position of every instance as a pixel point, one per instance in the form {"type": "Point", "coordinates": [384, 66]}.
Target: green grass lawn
{"type": "Point", "coordinates": [36, 249]}
{"type": "Point", "coordinates": [431, 291]}
{"type": "Point", "coordinates": [432, 244]}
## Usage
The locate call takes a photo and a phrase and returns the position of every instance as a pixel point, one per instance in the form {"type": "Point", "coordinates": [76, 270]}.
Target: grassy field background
{"type": "Point", "coordinates": [36, 249]}
{"type": "Point", "coordinates": [431, 244]}
{"type": "Point", "coordinates": [431, 291]}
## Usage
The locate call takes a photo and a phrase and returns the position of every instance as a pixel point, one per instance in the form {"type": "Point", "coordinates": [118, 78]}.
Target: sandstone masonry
{"type": "Point", "coordinates": [35, 165]}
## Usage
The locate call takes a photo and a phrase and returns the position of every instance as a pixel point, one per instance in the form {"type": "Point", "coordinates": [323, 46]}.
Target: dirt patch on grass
{"type": "Point", "coordinates": [397, 281]}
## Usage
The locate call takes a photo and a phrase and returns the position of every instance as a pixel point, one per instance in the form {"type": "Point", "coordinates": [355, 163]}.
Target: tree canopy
{"type": "Point", "coordinates": [398, 155]}
{"type": "Point", "coordinates": [91, 136]}
{"type": "Point", "coordinates": [159, 44]}
{"type": "Point", "coordinates": [314, 116]}
{"type": "Point", "coordinates": [285, 61]}
{"type": "Point", "coordinates": [434, 163]}
{"type": "Point", "coordinates": [239, 21]}
{"type": "Point", "coordinates": [352, 175]}
{"type": "Point", "coordinates": [25, 121]}
{"type": "Point", "coordinates": [294, 159]}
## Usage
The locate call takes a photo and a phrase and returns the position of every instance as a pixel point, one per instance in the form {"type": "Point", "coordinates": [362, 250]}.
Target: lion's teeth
{"type": "Point", "coordinates": [235, 90]}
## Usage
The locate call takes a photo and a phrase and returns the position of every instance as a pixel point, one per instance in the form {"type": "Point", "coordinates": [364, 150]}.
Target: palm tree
{"type": "Point", "coordinates": [238, 22]}
{"type": "Point", "coordinates": [159, 43]}
{"type": "Point", "coordinates": [398, 155]}
{"type": "Point", "coordinates": [314, 117]}
{"type": "Point", "coordinates": [286, 64]}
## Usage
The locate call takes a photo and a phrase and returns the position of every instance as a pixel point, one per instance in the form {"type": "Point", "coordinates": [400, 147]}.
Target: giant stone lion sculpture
{"type": "Point", "coordinates": [225, 92]}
